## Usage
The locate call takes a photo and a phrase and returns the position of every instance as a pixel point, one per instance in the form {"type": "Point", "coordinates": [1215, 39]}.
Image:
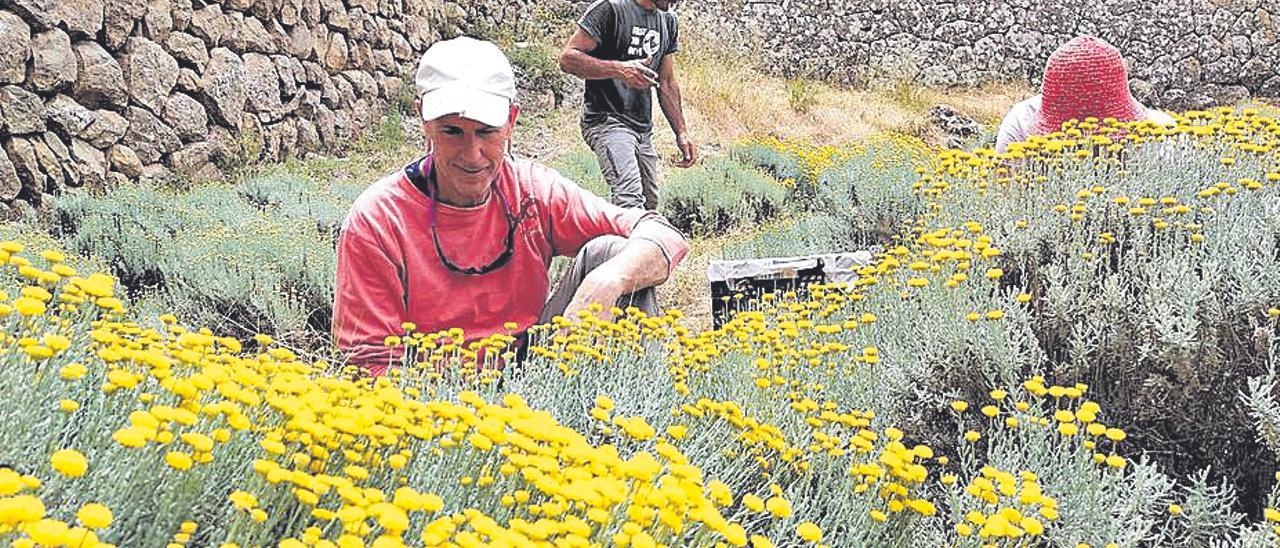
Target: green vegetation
{"type": "Point", "coordinates": [720, 195]}
{"type": "Point", "coordinates": [257, 257]}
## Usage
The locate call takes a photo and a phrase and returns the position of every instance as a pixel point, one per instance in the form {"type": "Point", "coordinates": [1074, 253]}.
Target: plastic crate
{"type": "Point", "coordinates": [737, 285]}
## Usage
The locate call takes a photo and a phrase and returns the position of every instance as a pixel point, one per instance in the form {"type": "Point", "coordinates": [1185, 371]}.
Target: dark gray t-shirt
{"type": "Point", "coordinates": [626, 31]}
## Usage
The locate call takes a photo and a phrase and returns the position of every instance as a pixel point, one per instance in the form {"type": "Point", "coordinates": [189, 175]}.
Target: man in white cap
{"type": "Point", "coordinates": [463, 237]}
{"type": "Point", "coordinates": [624, 49]}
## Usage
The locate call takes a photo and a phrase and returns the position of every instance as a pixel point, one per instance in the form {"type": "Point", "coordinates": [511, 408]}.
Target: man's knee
{"type": "Point", "coordinates": [599, 250]}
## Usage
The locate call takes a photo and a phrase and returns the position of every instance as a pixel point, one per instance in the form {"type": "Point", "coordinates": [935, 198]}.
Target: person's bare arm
{"type": "Point", "coordinates": [639, 265]}
{"type": "Point", "coordinates": [672, 108]}
{"type": "Point", "coordinates": [642, 263]}
{"type": "Point", "coordinates": [575, 59]}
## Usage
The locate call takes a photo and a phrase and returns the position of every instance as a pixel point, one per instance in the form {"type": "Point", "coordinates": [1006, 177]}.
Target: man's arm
{"type": "Point", "coordinates": [673, 109]}
{"type": "Point", "coordinates": [368, 300]}
{"type": "Point", "coordinates": [575, 59]}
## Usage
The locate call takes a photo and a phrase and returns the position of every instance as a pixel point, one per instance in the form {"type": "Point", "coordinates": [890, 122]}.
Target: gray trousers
{"type": "Point", "coordinates": [595, 253]}
{"type": "Point", "coordinates": [628, 161]}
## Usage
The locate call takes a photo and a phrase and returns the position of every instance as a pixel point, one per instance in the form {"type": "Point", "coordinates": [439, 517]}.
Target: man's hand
{"type": "Point", "coordinates": [635, 74]}
{"type": "Point", "coordinates": [688, 151]}
{"type": "Point", "coordinates": [600, 286]}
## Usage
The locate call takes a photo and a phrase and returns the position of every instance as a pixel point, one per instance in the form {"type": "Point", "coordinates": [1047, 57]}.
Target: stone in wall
{"type": "Point", "coordinates": [150, 73]}
{"type": "Point", "coordinates": [335, 53]}
{"type": "Point", "coordinates": [223, 82]}
{"type": "Point", "coordinates": [124, 160]}
{"type": "Point", "coordinates": [245, 33]}
{"type": "Point", "coordinates": [23, 111]}
{"type": "Point", "coordinates": [53, 62]}
{"type": "Point", "coordinates": [10, 184]}
{"type": "Point", "coordinates": [186, 116]}
{"type": "Point", "coordinates": [180, 11]}
{"type": "Point", "coordinates": [157, 21]}
{"type": "Point", "coordinates": [118, 21]}
{"type": "Point", "coordinates": [23, 157]}
{"type": "Point", "coordinates": [209, 24]}
{"type": "Point", "coordinates": [89, 163]}
{"type": "Point", "coordinates": [262, 85]}
{"type": "Point", "coordinates": [82, 18]}
{"type": "Point", "coordinates": [107, 129]}
{"type": "Point", "coordinates": [67, 117]}
{"type": "Point", "coordinates": [100, 81]}
{"type": "Point", "coordinates": [187, 49]}
{"type": "Point", "coordinates": [148, 136]}
{"type": "Point", "coordinates": [15, 48]}
{"type": "Point", "coordinates": [40, 14]}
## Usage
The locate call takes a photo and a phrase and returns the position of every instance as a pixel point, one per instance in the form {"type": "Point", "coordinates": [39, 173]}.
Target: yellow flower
{"type": "Point", "coordinates": [1176, 509]}
{"type": "Point", "coordinates": [69, 462]}
{"type": "Point", "coordinates": [178, 460]}
{"type": "Point", "coordinates": [198, 441]}
{"type": "Point", "coordinates": [38, 351]}
{"type": "Point", "coordinates": [753, 502]}
{"type": "Point", "coordinates": [972, 436]}
{"type": "Point", "coordinates": [69, 406]}
{"type": "Point", "coordinates": [809, 531]}
{"type": "Point", "coordinates": [242, 500]}
{"type": "Point", "coordinates": [959, 406]}
{"type": "Point", "coordinates": [94, 516]}
{"type": "Point", "coordinates": [28, 306]}
{"type": "Point", "coordinates": [779, 507]}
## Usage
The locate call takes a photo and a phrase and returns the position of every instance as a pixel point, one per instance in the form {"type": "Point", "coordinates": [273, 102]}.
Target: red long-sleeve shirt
{"type": "Point", "coordinates": [389, 272]}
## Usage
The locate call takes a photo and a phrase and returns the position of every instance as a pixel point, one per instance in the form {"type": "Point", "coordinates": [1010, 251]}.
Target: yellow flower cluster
{"type": "Point", "coordinates": [1011, 507]}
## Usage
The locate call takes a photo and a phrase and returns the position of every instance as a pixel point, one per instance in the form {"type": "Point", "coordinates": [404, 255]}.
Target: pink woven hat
{"type": "Point", "coordinates": [1084, 77]}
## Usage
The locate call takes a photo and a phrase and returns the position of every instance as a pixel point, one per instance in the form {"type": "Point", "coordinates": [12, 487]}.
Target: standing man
{"type": "Point", "coordinates": [624, 49]}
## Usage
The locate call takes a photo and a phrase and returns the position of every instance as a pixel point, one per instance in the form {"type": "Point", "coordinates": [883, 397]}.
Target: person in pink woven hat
{"type": "Point", "coordinates": [1085, 77]}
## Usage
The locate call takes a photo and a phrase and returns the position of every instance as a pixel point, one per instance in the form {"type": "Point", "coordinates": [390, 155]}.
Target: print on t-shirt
{"type": "Point", "coordinates": [644, 42]}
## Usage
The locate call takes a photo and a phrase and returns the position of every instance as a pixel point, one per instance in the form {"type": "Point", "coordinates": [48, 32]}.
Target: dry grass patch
{"type": "Point", "coordinates": [727, 99]}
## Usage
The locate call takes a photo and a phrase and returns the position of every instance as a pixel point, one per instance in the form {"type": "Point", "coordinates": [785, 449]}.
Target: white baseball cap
{"type": "Point", "coordinates": [468, 77]}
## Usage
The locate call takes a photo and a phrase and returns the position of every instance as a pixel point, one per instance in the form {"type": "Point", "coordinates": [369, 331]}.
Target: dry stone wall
{"type": "Point", "coordinates": [1183, 53]}
{"type": "Point", "coordinates": [97, 92]}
